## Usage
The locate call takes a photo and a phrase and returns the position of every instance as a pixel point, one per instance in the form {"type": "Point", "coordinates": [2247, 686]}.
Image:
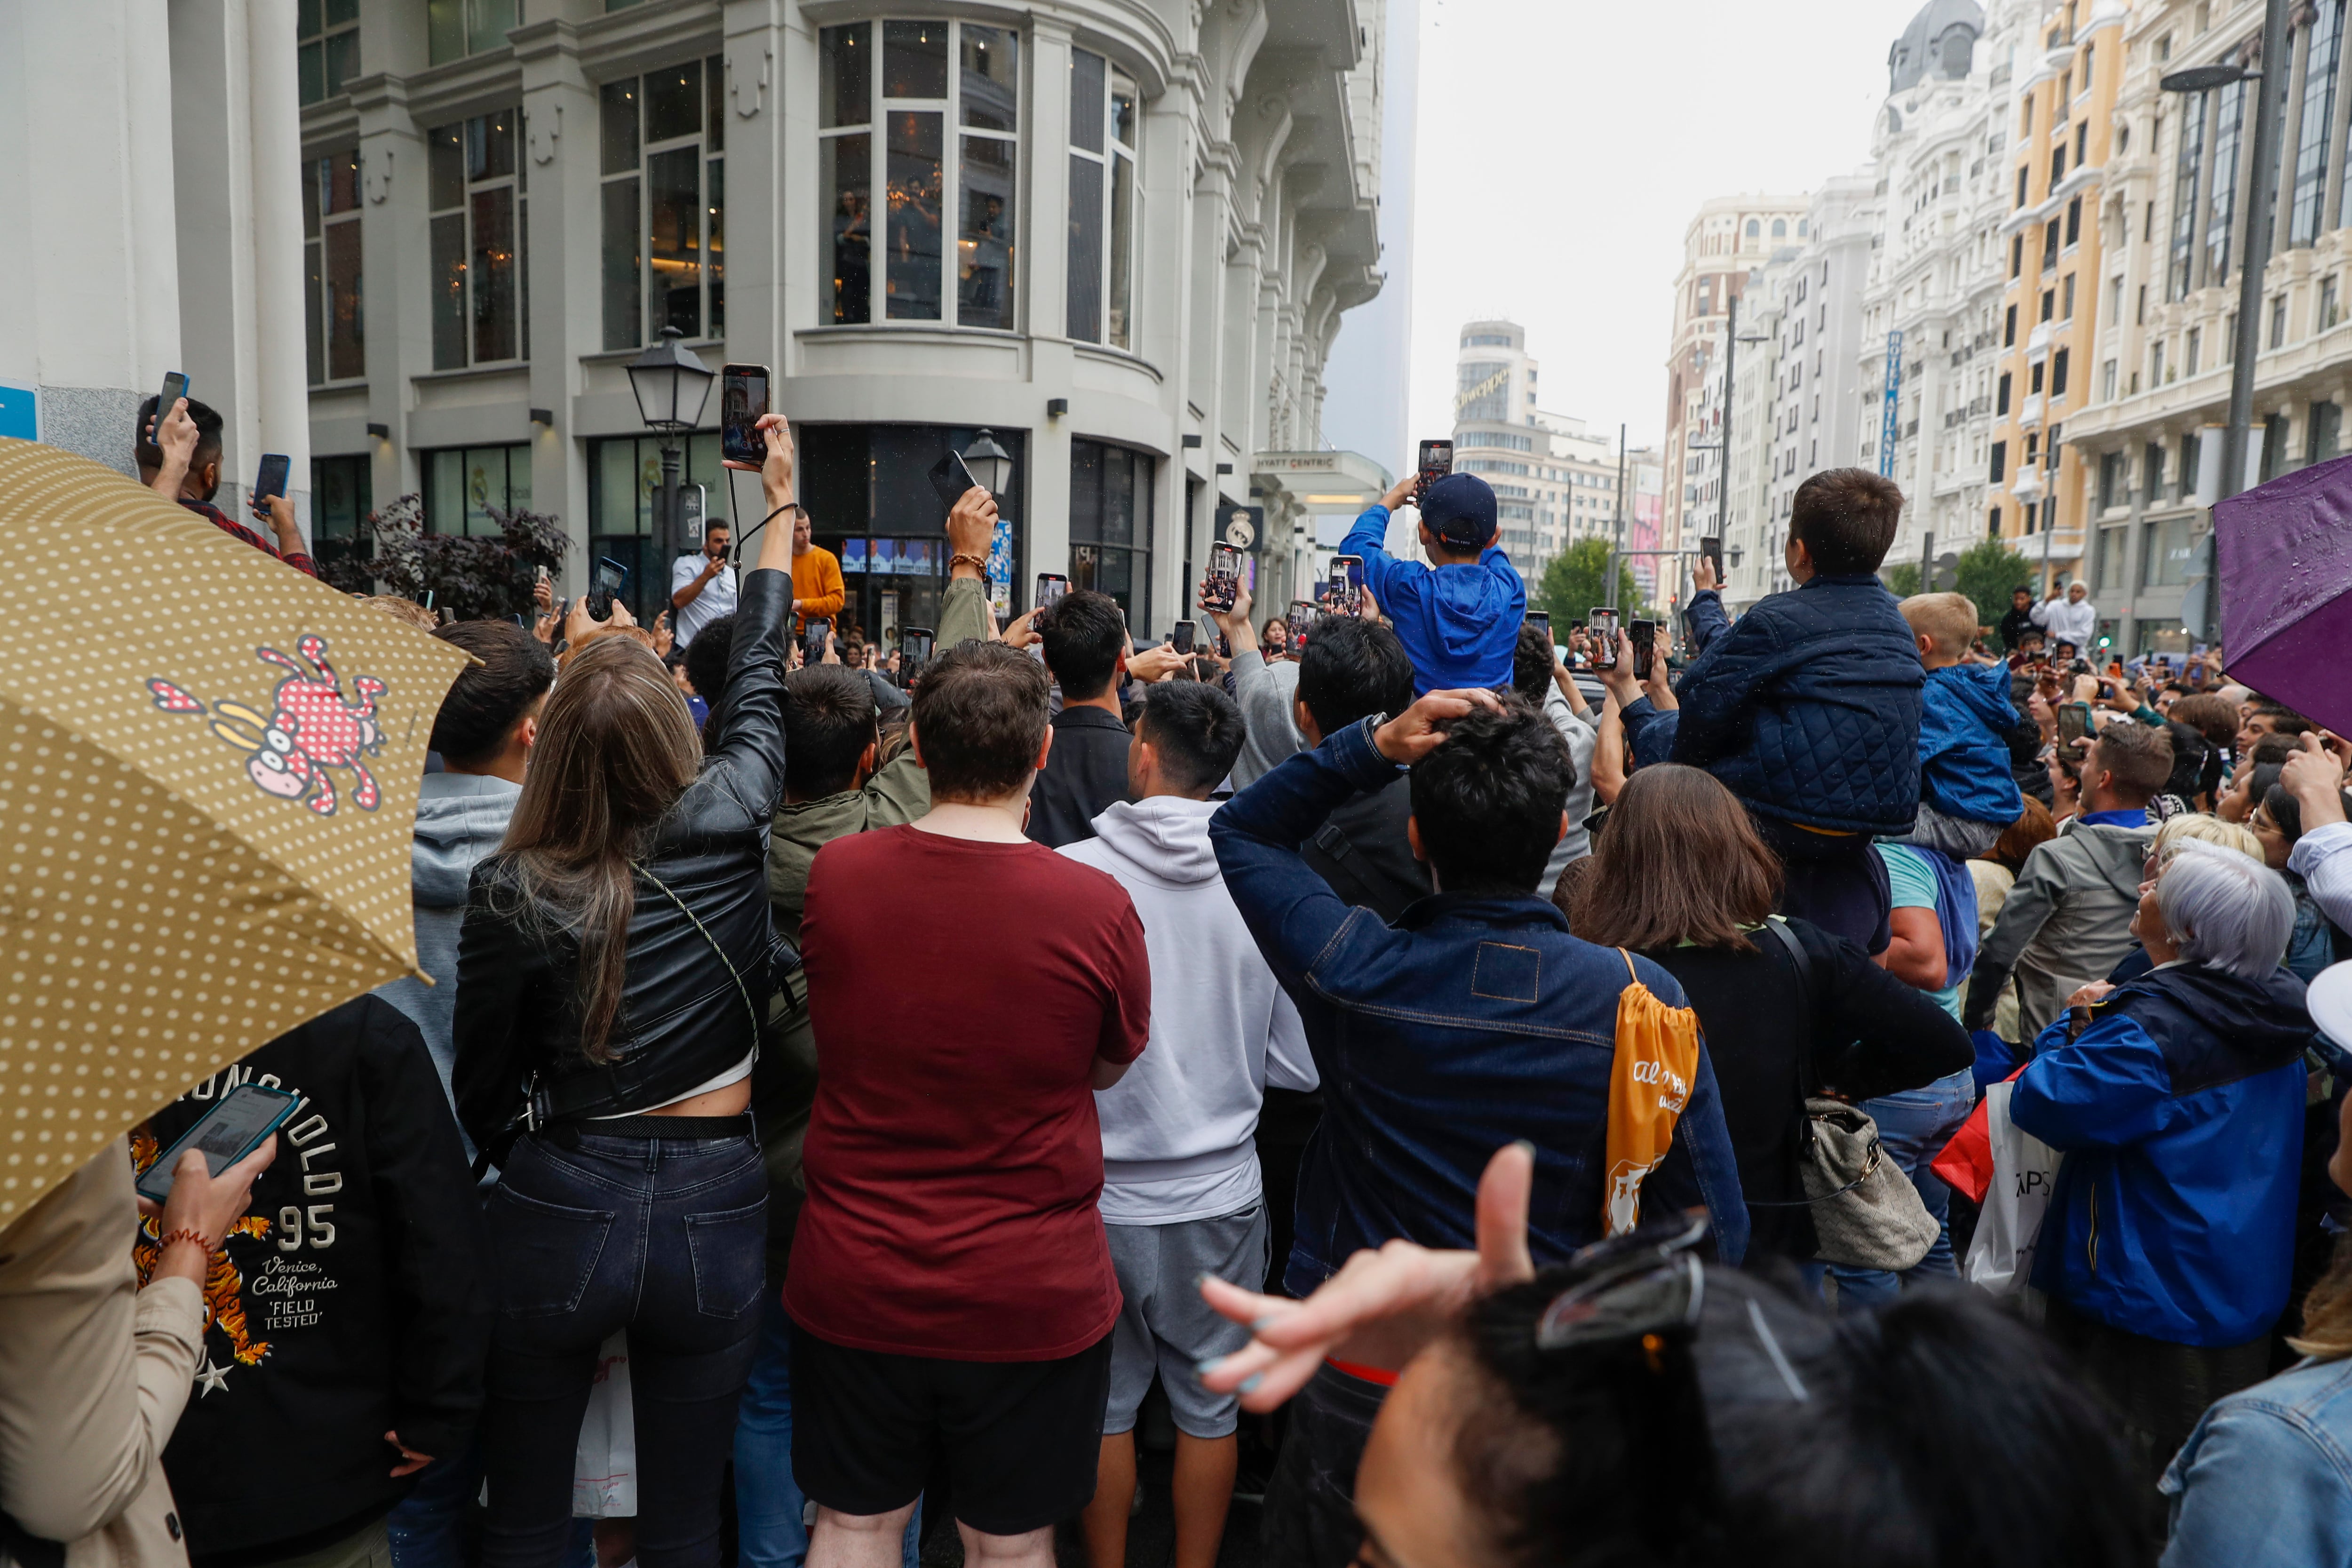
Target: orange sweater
{"type": "Point", "coordinates": [816, 584]}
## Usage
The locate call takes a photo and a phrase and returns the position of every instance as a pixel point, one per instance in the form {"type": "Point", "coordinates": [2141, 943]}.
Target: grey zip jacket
{"type": "Point", "coordinates": [2066, 923]}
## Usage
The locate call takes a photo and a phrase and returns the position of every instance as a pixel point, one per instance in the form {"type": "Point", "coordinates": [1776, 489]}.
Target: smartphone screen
{"type": "Point", "coordinates": [1179, 636]}
{"type": "Point", "coordinates": [951, 479]}
{"type": "Point", "coordinates": [271, 480]}
{"type": "Point", "coordinates": [812, 642]}
{"type": "Point", "coordinates": [2074, 722]}
{"type": "Point", "coordinates": [1645, 636]}
{"type": "Point", "coordinates": [1604, 637]}
{"type": "Point", "coordinates": [742, 400]}
{"type": "Point", "coordinates": [1052, 586]}
{"type": "Point", "coordinates": [1224, 578]}
{"type": "Point", "coordinates": [1302, 616]}
{"type": "Point", "coordinates": [914, 645]}
{"type": "Point", "coordinates": [1436, 462]}
{"type": "Point", "coordinates": [226, 1133]}
{"type": "Point", "coordinates": [1345, 595]}
{"type": "Point", "coordinates": [1711, 546]}
{"type": "Point", "coordinates": [176, 387]}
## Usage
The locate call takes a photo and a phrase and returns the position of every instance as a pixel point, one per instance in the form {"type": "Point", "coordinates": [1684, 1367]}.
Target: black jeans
{"type": "Point", "coordinates": [590, 1233]}
{"type": "Point", "coordinates": [1310, 1503]}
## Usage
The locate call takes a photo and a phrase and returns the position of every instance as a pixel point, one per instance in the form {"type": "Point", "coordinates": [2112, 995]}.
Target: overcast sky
{"type": "Point", "coordinates": [1564, 144]}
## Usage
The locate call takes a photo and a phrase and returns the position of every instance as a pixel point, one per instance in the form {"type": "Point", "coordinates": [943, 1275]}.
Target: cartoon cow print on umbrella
{"type": "Point", "coordinates": [313, 727]}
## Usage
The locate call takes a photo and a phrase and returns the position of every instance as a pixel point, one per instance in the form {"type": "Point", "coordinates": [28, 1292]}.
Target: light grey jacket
{"type": "Point", "coordinates": [1265, 692]}
{"type": "Point", "coordinates": [460, 818]}
{"type": "Point", "coordinates": [1582, 733]}
{"type": "Point", "coordinates": [2065, 923]}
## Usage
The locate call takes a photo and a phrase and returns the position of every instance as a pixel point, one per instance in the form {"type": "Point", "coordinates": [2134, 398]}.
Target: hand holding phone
{"type": "Point", "coordinates": [226, 1133]}
{"type": "Point", "coordinates": [742, 399]}
{"type": "Point", "coordinates": [952, 479]}
{"type": "Point", "coordinates": [1604, 637]}
{"type": "Point", "coordinates": [1644, 635]}
{"type": "Point", "coordinates": [1223, 586]}
{"type": "Point", "coordinates": [1180, 637]}
{"type": "Point", "coordinates": [1347, 592]}
{"type": "Point", "coordinates": [1436, 461]}
{"type": "Point", "coordinates": [176, 387]}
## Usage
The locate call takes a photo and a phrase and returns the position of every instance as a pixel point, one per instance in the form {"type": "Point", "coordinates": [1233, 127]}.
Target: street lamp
{"type": "Point", "coordinates": [671, 386]}
{"type": "Point", "coordinates": [991, 465]}
{"type": "Point", "coordinates": [2255, 252]}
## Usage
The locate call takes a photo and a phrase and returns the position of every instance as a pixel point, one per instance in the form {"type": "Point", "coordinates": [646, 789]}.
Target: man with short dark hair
{"type": "Point", "coordinates": [2018, 624]}
{"type": "Point", "coordinates": [1349, 670]}
{"type": "Point", "coordinates": [1085, 640]}
{"type": "Point", "coordinates": [2067, 921]}
{"type": "Point", "coordinates": [484, 732]}
{"type": "Point", "coordinates": [183, 462]}
{"type": "Point", "coordinates": [1459, 616]}
{"type": "Point", "coordinates": [951, 1294]}
{"type": "Point", "coordinates": [702, 588]}
{"type": "Point", "coordinates": [1182, 1191]}
{"type": "Point", "coordinates": [1476, 1020]}
{"type": "Point", "coordinates": [1808, 709]}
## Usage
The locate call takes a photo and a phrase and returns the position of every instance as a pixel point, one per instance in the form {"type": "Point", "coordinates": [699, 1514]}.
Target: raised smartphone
{"type": "Point", "coordinates": [915, 644]}
{"type": "Point", "coordinates": [1645, 636]}
{"type": "Point", "coordinates": [1604, 635]}
{"type": "Point", "coordinates": [1224, 583]}
{"type": "Point", "coordinates": [176, 387]}
{"type": "Point", "coordinates": [743, 401]}
{"type": "Point", "coordinates": [1346, 591]}
{"type": "Point", "coordinates": [952, 479]}
{"type": "Point", "coordinates": [1436, 461]}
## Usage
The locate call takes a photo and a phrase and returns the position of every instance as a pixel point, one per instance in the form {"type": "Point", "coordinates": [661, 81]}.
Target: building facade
{"type": "Point", "coordinates": [1555, 480]}
{"type": "Point", "coordinates": [1119, 237]}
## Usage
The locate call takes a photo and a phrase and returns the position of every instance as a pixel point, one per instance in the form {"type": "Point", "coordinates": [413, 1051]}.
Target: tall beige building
{"type": "Point", "coordinates": [1555, 480]}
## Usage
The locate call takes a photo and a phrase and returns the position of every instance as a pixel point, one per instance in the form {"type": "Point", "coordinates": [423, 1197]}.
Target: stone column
{"type": "Point", "coordinates": [1044, 230]}
{"type": "Point", "coordinates": [565, 257]}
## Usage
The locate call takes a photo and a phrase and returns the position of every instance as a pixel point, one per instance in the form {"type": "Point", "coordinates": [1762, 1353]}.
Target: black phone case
{"type": "Point", "coordinates": [952, 479]}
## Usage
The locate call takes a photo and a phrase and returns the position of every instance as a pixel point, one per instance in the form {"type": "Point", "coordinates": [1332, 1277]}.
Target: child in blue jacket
{"type": "Point", "coordinates": [1967, 795]}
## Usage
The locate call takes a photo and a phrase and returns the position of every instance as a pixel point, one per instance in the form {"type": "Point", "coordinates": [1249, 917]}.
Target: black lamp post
{"type": "Point", "coordinates": [671, 386]}
{"type": "Point", "coordinates": [989, 464]}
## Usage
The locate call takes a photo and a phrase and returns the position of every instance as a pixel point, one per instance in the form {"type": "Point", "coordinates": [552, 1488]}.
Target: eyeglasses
{"type": "Point", "coordinates": [1633, 1289]}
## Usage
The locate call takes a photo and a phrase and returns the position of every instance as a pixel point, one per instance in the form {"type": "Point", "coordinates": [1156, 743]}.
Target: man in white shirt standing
{"type": "Point", "coordinates": [702, 587]}
{"type": "Point", "coordinates": [2071, 620]}
{"type": "Point", "coordinates": [1182, 1195]}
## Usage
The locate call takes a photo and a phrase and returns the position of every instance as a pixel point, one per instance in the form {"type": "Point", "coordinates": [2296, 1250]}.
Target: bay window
{"type": "Point", "coordinates": [1104, 128]}
{"type": "Point", "coordinates": [477, 196]}
{"type": "Point", "coordinates": [661, 154]}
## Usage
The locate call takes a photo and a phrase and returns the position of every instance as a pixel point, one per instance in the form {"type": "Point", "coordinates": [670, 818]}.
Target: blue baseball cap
{"type": "Point", "coordinates": [1460, 510]}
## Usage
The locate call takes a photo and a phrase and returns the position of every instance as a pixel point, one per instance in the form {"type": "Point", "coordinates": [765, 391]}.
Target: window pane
{"type": "Point", "coordinates": [487, 26]}
{"type": "Point", "coordinates": [314, 320]}
{"type": "Point", "coordinates": [616, 506]}
{"type": "Point", "coordinates": [991, 78]}
{"type": "Point", "coordinates": [619, 139]}
{"type": "Point", "coordinates": [306, 18]}
{"type": "Point", "coordinates": [850, 179]}
{"type": "Point", "coordinates": [2221, 201]}
{"type": "Point", "coordinates": [522, 278]}
{"type": "Point", "coordinates": [624, 316]}
{"type": "Point", "coordinates": [1122, 110]}
{"type": "Point", "coordinates": [1086, 72]}
{"type": "Point", "coordinates": [2319, 120]}
{"type": "Point", "coordinates": [1122, 243]}
{"type": "Point", "coordinates": [311, 68]}
{"type": "Point", "coordinates": [984, 249]}
{"type": "Point", "coordinates": [489, 146]}
{"type": "Point", "coordinates": [1118, 497]}
{"type": "Point", "coordinates": [314, 180]}
{"type": "Point", "coordinates": [674, 101]}
{"type": "Point", "coordinates": [448, 243]}
{"type": "Point", "coordinates": [346, 322]}
{"type": "Point", "coordinates": [344, 182]}
{"type": "Point", "coordinates": [715, 197]}
{"type": "Point", "coordinates": [843, 87]}
{"type": "Point", "coordinates": [445, 167]}
{"type": "Point", "coordinates": [714, 129]}
{"type": "Point", "coordinates": [445, 30]}
{"type": "Point", "coordinates": [342, 60]}
{"type": "Point", "coordinates": [914, 60]}
{"type": "Point", "coordinates": [341, 11]}
{"type": "Point", "coordinates": [914, 190]}
{"type": "Point", "coordinates": [673, 235]}
{"type": "Point", "coordinates": [494, 274]}
{"type": "Point", "coordinates": [444, 492]}
{"type": "Point", "coordinates": [1086, 491]}
{"type": "Point", "coordinates": [1085, 249]}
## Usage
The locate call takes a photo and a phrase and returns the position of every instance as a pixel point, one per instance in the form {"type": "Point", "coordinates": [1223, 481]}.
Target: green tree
{"type": "Point", "coordinates": [1575, 581]}
{"type": "Point", "coordinates": [1990, 571]}
{"type": "Point", "coordinates": [1902, 579]}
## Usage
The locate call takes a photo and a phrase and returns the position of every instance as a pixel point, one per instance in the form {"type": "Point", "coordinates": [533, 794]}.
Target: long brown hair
{"type": "Point", "coordinates": [616, 748]}
{"type": "Point", "coordinates": [2327, 1311]}
{"type": "Point", "coordinates": [1678, 861]}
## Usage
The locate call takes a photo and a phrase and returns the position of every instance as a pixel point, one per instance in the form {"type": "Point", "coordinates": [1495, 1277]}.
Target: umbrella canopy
{"type": "Point", "coordinates": [208, 777]}
{"type": "Point", "coordinates": [2284, 550]}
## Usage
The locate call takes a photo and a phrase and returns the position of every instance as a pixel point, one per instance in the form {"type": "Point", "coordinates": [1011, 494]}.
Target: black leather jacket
{"type": "Point", "coordinates": [683, 1019]}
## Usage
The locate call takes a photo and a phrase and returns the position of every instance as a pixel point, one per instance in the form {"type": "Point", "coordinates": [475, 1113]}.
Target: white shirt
{"type": "Point", "coordinates": [716, 598]}
{"type": "Point", "coordinates": [2068, 620]}
{"type": "Point", "coordinates": [2323, 859]}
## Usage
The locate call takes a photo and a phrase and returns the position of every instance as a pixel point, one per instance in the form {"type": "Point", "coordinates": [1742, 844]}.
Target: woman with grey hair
{"type": "Point", "coordinates": [2177, 1099]}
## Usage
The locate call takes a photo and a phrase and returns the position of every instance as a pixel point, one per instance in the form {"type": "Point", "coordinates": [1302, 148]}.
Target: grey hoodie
{"type": "Point", "coordinates": [2065, 923]}
{"type": "Point", "coordinates": [460, 818]}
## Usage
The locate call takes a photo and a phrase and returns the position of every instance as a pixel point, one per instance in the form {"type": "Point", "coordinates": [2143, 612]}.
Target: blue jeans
{"type": "Point", "coordinates": [590, 1232]}
{"type": "Point", "coordinates": [426, 1528]}
{"type": "Point", "coordinates": [1913, 1127]}
{"type": "Point", "coordinates": [769, 1506]}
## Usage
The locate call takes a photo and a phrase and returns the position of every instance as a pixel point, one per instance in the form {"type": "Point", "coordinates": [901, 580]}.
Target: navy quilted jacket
{"type": "Point", "coordinates": [1808, 709]}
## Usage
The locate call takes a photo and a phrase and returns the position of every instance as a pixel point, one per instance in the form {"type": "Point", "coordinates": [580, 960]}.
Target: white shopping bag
{"type": "Point", "coordinates": [2024, 1169]}
{"type": "Point", "coordinates": [604, 1475]}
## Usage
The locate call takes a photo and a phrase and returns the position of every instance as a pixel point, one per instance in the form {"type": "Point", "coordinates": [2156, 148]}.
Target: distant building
{"type": "Point", "coordinates": [1555, 480]}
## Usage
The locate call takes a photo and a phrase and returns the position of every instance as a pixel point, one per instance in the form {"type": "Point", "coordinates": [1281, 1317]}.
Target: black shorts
{"type": "Point", "coordinates": [1021, 1439]}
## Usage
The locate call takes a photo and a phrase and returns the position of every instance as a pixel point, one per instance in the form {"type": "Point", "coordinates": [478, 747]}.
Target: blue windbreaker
{"type": "Point", "coordinates": [2181, 1114]}
{"type": "Point", "coordinates": [1964, 768]}
{"type": "Point", "coordinates": [1458, 623]}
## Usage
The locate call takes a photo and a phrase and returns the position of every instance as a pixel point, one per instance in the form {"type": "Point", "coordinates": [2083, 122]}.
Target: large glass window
{"type": "Point", "coordinates": [937, 138]}
{"type": "Point", "coordinates": [661, 151]}
{"type": "Point", "coordinates": [455, 28]}
{"type": "Point", "coordinates": [342, 496]}
{"type": "Point", "coordinates": [475, 188]}
{"type": "Point", "coordinates": [2318, 123]}
{"type": "Point", "coordinates": [334, 324]}
{"type": "Point", "coordinates": [326, 47]}
{"type": "Point", "coordinates": [625, 485]}
{"type": "Point", "coordinates": [871, 503]}
{"type": "Point", "coordinates": [2181, 262]}
{"type": "Point", "coordinates": [2222, 208]}
{"type": "Point", "coordinates": [1104, 128]}
{"type": "Point", "coordinates": [461, 484]}
{"type": "Point", "coordinates": [1110, 527]}
{"type": "Point", "coordinates": [2164, 559]}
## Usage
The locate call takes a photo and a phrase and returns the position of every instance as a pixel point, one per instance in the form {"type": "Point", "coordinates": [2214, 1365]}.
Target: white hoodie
{"type": "Point", "coordinates": [1177, 1129]}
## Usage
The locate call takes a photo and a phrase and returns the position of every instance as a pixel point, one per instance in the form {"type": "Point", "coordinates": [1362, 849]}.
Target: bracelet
{"type": "Point", "coordinates": [979, 560]}
{"type": "Point", "coordinates": [184, 1233]}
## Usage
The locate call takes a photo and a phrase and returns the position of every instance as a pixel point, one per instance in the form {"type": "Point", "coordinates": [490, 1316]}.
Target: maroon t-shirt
{"type": "Point", "coordinates": [959, 994]}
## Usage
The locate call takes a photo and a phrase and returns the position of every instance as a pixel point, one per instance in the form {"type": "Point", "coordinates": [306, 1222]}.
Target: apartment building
{"type": "Point", "coordinates": [1555, 480]}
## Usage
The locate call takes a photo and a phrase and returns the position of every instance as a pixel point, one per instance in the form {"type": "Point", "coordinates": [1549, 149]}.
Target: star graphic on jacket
{"type": "Point", "coordinates": [210, 1377]}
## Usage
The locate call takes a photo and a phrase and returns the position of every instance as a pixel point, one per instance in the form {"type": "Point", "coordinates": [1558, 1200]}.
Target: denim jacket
{"type": "Point", "coordinates": [1476, 1019]}
{"type": "Point", "coordinates": [2265, 1479]}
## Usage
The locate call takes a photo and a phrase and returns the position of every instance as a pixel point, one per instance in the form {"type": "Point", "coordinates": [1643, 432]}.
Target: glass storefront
{"type": "Point", "coordinates": [623, 484]}
{"type": "Point", "coordinates": [342, 492]}
{"type": "Point", "coordinates": [462, 483]}
{"type": "Point", "coordinates": [1110, 528]}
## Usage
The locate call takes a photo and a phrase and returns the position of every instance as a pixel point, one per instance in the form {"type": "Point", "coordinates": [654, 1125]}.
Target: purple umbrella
{"type": "Point", "coordinates": [2284, 550]}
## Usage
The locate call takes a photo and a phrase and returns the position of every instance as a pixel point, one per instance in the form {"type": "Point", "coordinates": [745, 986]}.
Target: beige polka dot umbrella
{"type": "Point", "coordinates": [208, 777]}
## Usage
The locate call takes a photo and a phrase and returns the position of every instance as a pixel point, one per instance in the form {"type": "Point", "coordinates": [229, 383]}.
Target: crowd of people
{"type": "Point", "coordinates": [1530, 1099]}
